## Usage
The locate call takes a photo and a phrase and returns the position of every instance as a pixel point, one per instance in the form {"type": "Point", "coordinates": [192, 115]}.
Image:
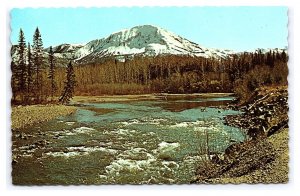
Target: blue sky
{"type": "Point", "coordinates": [236, 28]}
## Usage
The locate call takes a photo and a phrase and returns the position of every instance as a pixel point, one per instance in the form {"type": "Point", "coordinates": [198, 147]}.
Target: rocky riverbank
{"type": "Point", "coordinates": [263, 157]}
{"type": "Point", "coordinates": [23, 116]}
{"type": "Point", "coordinates": [264, 113]}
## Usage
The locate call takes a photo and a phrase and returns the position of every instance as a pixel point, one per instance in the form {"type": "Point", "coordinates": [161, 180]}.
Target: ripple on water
{"type": "Point", "coordinates": [65, 132]}
{"type": "Point", "coordinates": [128, 165]}
{"type": "Point", "coordinates": [70, 123]}
{"type": "Point", "coordinates": [145, 120]}
{"type": "Point", "coordinates": [80, 151]}
{"type": "Point", "coordinates": [135, 154]}
{"type": "Point", "coordinates": [81, 130]}
{"type": "Point", "coordinates": [121, 131]}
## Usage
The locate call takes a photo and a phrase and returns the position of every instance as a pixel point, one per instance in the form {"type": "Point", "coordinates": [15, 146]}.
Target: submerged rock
{"type": "Point", "coordinates": [167, 151]}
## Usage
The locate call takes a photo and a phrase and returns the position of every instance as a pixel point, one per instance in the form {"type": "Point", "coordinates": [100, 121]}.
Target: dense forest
{"type": "Point", "coordinates": [39, 79]}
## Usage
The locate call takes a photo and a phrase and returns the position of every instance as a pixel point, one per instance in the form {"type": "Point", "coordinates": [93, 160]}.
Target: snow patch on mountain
{"type": "Point", "coordinates": [144, 40]}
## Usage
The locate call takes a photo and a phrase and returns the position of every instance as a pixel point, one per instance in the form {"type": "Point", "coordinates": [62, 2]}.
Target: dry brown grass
{"type": "Point", "coordinates": [23, 116]}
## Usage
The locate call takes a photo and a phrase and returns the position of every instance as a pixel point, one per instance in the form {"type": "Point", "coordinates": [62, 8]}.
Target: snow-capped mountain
{"type": "Point", "coordinates": [145, 40]}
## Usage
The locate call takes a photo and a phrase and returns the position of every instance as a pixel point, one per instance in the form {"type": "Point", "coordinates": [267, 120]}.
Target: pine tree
{"type": "Point", "coordinates": [52, 72]}
{"type": "Point", "coordinates": [37, 61]}
{"type": "Point", "coordinates": [70, 83]}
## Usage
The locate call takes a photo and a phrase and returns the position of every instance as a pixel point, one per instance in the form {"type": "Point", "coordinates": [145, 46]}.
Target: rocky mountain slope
{"type": "Point", "coordinates": [146, 40]}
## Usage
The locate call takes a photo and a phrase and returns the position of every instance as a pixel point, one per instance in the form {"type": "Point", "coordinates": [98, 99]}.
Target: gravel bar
{"type": "Point", "coordinates": [23, 116]}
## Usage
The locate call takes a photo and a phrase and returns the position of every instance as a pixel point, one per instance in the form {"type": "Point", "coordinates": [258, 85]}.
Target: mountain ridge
{"type": "Point", "coordinates": [144, 40]}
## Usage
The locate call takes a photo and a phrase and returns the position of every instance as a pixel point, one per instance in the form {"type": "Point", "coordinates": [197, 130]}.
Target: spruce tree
{"type": "Point", "coordinates": [37, 61]}
{"type": "Point", "coordinates": [70, 83]}
{"type": "Point", "coordinates": [52, 72]}
{"type": "Point", "coordinates": [21, 70]}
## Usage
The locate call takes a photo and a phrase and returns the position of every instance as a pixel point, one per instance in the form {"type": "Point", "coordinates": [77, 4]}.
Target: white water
{"type": "Point", "coordinates": [140, 142]}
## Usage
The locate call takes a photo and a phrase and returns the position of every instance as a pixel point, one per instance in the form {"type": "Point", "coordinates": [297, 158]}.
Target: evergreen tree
{"type": "Point", "coordinates": [70, 83]}
{"type": "Point", "coordinates": [260, 57]}
{"type": "Point", "coordinates": [273, 58]}
{"type": "Point", "coordinates": [21, 64]}
{"type": "Point", "coordinates": [284, 57]}
{"type": "Point", "coordinates": [37, 61]}
{"type": "Point", "coordinates": [269, 58]}
{"type": "Point", "coordinates": [14, 80]}
{"type": "Point", "coordinates": [52, 72]}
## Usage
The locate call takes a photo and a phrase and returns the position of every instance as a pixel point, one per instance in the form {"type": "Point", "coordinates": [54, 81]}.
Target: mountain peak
{"type": "Point", "coordinates": [145, 40]}
{"type": "Point", "coordinates": [145, 26]}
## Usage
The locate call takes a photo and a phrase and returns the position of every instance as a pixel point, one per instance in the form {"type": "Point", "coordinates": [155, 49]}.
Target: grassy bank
{"type": "Point", "coordinates": [23, 116]}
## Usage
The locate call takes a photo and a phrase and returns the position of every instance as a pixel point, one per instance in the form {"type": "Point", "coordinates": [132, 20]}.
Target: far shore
{"type": "Point", "coordinates": [155, 96]}
{"type": "Point", "coordinates": [24, 116]}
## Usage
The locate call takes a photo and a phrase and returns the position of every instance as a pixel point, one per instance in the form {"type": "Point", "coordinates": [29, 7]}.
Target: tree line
{"type": "Point", "coordinates": [33, 78]}
{"type": "Point", "coordinates": [239, 73]}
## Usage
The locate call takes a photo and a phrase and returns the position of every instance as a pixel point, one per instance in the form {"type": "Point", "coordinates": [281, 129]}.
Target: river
{"type": "Point", "coordinates": [136, 142]}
